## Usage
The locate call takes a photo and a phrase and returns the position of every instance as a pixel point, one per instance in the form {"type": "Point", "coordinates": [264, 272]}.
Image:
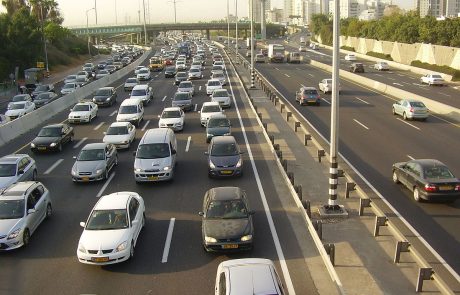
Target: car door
{"type": "Point", "coordinates": [32, 218]}
{"type": "Point", "coordinates": [131, 131]}
{"type": "Point", "coordinates": [110, 156]}
{"type": "Point", "coordinates": [221, 284]}
{"type": "Point", "coordinates": [40, 203]}
{"type": "Point", "coordinates": [398, 107]}
{"type": "Point", "coordinates": [413, 175]}
{"type": "Point", "coordinates": [24, 166]}
{"type": "Point", "coordinates": [135, 215]}
{"type": "Point", "coordinates": [406, 174]}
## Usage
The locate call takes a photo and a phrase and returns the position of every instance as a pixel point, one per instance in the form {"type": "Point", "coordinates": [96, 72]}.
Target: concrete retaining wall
{"type": "Point", "coordinates": [17, 127]}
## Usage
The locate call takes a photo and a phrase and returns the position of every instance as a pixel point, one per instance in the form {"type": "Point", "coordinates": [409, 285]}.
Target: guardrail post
{"type": "Point", "coordinates": [363, 203]}
{"type": "Point", "coordinates": [330, 249]}
{"type": "Point", "coordinates": [401, 246]}
{"type": "Point", "coordinates": [318, 225]}
{"type": "Point", "coordinates": [288, 115]}
{"type": "Point", "coordinates": [340, 173]}
{"type": "Point", "coordinates": [291, 177]}
{"type": "Point", "coordinates": [321, 153]}
{"type": "Point", "coordinates": [279, 154]}
{"type": "Point", "coordinates": [424, 273]}
{"type": "Point", "coordinates": [284, 164]}
{"type": "Point", "coordinates": [298, 190]}
{"type": "Point", "coordinates": [379, 221]}
{"type": "Point", "coordinates": [307, 207]}
{"type": "Point", "coordinates": [282, 107]}
{"type": "Point", "coordinates": [272, 138]}
{"type": "Point", "coordinates": [260, 115]}
{"type": "Point", "coordinates": [296, 126]}
{"type": "Point", "coordinates": [276, 146]}
{"type": "Point", "coordinates": [275, 101]}
{"type": "Point", "coordinates": [265, 125]}
{"type": "Point", "coordinates": [306, 138]}
{"type": "Point", "coordinates": [349, 186]}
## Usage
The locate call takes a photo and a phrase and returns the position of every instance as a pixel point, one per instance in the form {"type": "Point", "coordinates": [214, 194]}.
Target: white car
{"type": "Point", "coordinates": [120, 134]}
{"type": "Point", "coordinates": [211, 85]}
{"type": "Point", "coordinates": [136, 71]}
{"type": "Point", "coordinates": [130, 83]}
{"type": "Point", "coordinates": [110, 234]}
{"type": "Point", "coordinates": [326, 86]}
{"type": "Point", "coordinates": [180, 65]}
{"type": "Point", "coordinates": [381, 66]}
{"type": "Point", "coordinates": [143, 74]}
{"type": "Point", "coordinates": [70, 79]}
{"type": "Point", "coordinates": [24, 205]}
{"type": "Point", "coordinates": [208, 110]}
{"type": "Point", "coordinates": [350, 57]}
{"type": "Point", "coordinates": [222, 97]}
{"type": "Point", "coordinates": [220, 77]}
{"type": "Point", "coordinates": [19, 109]}
{"type": "Point", "coordinates": [143, 92]}
{"type": "Point", "coordinates": [173, 117]}
{"type": "Point", "coordinates": [83, 112]}
{"type": "Point", "coordinates": [102, 74]}
{"type": "Point", "coordinates": [195, 73]}
{"type": "Point", "coordinates": [186, 86]}
{"type": "Point", "coordinates": [69, 88]}
{"type": "Point", "coordinates": [432, 79]}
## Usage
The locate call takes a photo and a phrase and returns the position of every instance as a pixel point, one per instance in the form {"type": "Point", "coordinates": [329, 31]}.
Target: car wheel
{"type": "Point", "coordinates": [393, 111]}
{"type": "Point", "coordinates": [106, 174]}
{"type": "Point", "coordinates": [417, 195]}
{"type": "Point", "coordinates": [34, 175]}
{"type": "Point", "coordinates": [131, 251]}
{"type": "Point", "coordinates": [71, 138]}
{"type": "Point", "coordinates": [116, 161]}
{"type": "Point", "coordinates": [60, 147]}
{"type": "Point", "coordinates": [404, 116]}
{"type": "Point", "coordinates": [26, 237]}
{"type": "Point", "coordinates": [395, 177]}
{"type": "Point", "coordinates": [49, 211]}
{"type": "Point", "coordinates": [143, 219]}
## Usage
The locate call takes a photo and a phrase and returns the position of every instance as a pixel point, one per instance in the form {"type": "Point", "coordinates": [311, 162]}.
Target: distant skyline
{"type": "Point", "coordinates": [161, 11]}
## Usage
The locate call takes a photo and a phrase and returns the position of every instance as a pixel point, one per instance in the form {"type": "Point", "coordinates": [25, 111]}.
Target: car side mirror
{"type": "Point", "coordinates": [173, 152]}
{"type": "Point", "coordinates": [74, 157]}
{"type": "Point", "coordinates": [201, 213]}
{"type": "Point", "coordinates": [30, 211]}
{"type": "Point", "coordinates": [82, 224]}
{"type": "Point", "coordinates": [159, 116]}
{"type": "Point", "coordinates": [104, 133]}
{"type": "Point", "coordinates": [70, 110]}
{"type": "Point", "coordinates": [199, 112]}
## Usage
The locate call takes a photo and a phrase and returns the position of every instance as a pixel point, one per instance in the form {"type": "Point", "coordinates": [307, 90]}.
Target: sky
{"type": "Point", "coordinates": [161, 11]}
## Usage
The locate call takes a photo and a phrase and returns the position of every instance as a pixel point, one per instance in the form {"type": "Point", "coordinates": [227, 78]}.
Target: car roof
{"type": "Point", "coordinates": [59, 125]}
{"type": "Point", "coordinates": [16, 191]}
{"type": "Point", "coordinates": [216, 80]}
{"type": "Point", "coordinates": [223, 139]}
{"type": "Point", "coordinates": [106, 88]}
{"type": "Point", "coordinates": [12, 159]}
{"type": "Point", "coordinates": [119, 124]}
{"type": "Point", "coordinates": [172, 109]}
{"type": "Point", "coordinates": [84, 103]}
{"type": "Point", "coordinates": [225, 193]}
{"type": "Point", "coordinates": [428, 162]}
{"type": "Point", "coordinates": [94, 146]}
{"type": "Point", "coordinates": [131, 101]}
{"type": "Point", "coordinates": [308, 88]}
{"type": "Point", "coordinates": [155, 135]}
{"type": "Point", "coordinates": [117, 200]}
{"type": "Point", "coordinates": [210, 103]}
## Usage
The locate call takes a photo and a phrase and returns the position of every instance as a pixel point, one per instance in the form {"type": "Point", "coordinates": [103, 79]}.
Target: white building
{"type": "Point", "coordinates": [274, 15]}
{"type": "Point", "coordinates": [362, 9]}
{"type": "Point", "coordinates": [452, 8]}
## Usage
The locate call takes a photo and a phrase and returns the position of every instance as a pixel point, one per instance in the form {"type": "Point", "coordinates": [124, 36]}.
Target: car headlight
{"type": "Point", "coordinates": [211, 165]}
{"type": "Point", "coordinates": [138, 170]}
{"type": "Point", "coordinates": [246, 238]}
{"type": "Point", "coordinates": [228, 133]}
{"type": "Point", "coordinates": [14, 234]}
{"type": "Point", "coordinates": [166, 168]}
{"type": "Point", "coordinates": [210, 239]}
{"type": "Point", "coordinates": [238, 165]}
{"type": "Point", "coordinates": [125, 142]}
{"type": "Point", "coordinates": [85, 116]}
{"type": "Point", "coordinates": [99, 171]}
{"type": "Point", "coordinates": [53, 144]}
{"type": "Point", "coordinates": [81, 248]}
{"type": "Point", "coordinates": [32, 145]}
{"type": "Point", "coordinates": [122, 246]}
{"type": "Point", "coordinates": [107, 99]}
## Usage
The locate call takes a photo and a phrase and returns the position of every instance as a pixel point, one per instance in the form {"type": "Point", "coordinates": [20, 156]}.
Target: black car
{"type": "Point", "coordinates": [428, 179]}
{"type": "Point", "coordinates": [170, 72]}
{"type": "Point", "coordinates": [224, 157]}
{"type": "Point", "coordinates": [52, 138]}
{"type": "Point", "coordinates": [227, 221]}
{"type": "Point", "coordinates": [218, 125]}
{"type": "Point", "coordinates": [105, 96]}
{"type": "Point", "coordinates": [357, 67]}
{"type": "Point", "coordinates": [181, 76]}
{"type": "Point", "coordinates": [44, 98]}
{"type": "Point", "coordinates": [101, 65]}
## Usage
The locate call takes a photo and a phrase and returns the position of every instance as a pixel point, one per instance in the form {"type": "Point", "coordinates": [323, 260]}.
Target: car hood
{"type": "Point", "coordinates": [7, 181]}
{"type": "Point", "coordinates": [14, 112]}
{"type": "Point", "coordinates": [45, 140]}
{"type": "Point", "coordinates": [6, 225]}
{"type": "Point", "coordinates": [85, 113]}
{"type": "Point", "coordinates": [207, 115]}
{"type": "Point", "coordinates": [88, 166]}
{"type": "Point", "coordinates": [116, 138]}
{"type": "Point", "coordinates": [152, 164]}
{"type": "Point", "coordinates": [103, 239]}
{"type": "Point", "coordinates": [220, 98]}
{"type": "Point", "coordinates": [188, 89]}
{"type": "Point", "coordinates": [226, 228]}
{"type": "Point", "coordinates": [218, 130]}
{"type": "Point", "coordinates": [225, 161]}
{"type": "Point", "coordinates": [122, 117]}
{"type": "Point", "coordinates": [170, 120]}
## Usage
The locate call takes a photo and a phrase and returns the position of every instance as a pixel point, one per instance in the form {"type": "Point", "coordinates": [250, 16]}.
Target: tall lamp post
{"type": "Point", "coordinates": [87, 30]}
{"type": "Point", "coordinates": [95, 10]}
{"type": "Point", "coordinates": [44, 39]}
{"type": "Point", "coordinates": [145, 27]}
{"type": "Point", "coordinates": [228, 25]}
{"type": "Point", "coordinates": [251, 11]}
{"type": "Point", "coordinates": [236, 30]}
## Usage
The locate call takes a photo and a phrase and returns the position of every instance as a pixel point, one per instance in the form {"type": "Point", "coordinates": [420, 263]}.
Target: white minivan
{"type": "Point", "coordinates": [155, 157]}
{"type": "Point", "coordinates": [131, 110]}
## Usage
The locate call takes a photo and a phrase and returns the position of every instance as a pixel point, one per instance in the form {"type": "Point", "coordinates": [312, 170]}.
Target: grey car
{"type": "Point", "coordinates": [15, 168]}
{"type": "Point", "coordinates": [224, 157]}
{"type": "Point", "coordinates": [94, 162]}
{"type": "Point", "coordinates": [186, 86]}
{"type": "Point", "coordinates": [182, 100]}
{"type": "Point", "coordinates": [410, 109]}
{"type": "Point", "coordinates": [44, 98]}
{"type": "Point", "coordinates": [227, 220]}
{"type": "Point", "coordinates": [130, 83]}
{"type": "Point", "coordinates": [218, 125]}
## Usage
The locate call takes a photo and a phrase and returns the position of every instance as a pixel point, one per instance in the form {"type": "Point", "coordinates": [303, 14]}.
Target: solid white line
{"type": "Point", "coordinates": [361, 100]}
{"type": "Point", "coordinates": [364, 126]}
{"type": "Point", "coordinates": [164, 98]}
{"type": "Point", "coordinates": [196, 107]}
{"type": "Point", "coordinates": [145, 125]}
{"type": "Point", "coordinates": [105, 185]}
{"type": "Point", "coordinates": [277, 69]}
{"type": "Point", "coordinates": [311, 75]}
{"type": "Point", "coordinates": [113, 113]}
{"type": "Point", "coordinates": [99, 126]}
{"type": "Point", "coordinates": [325, 100]}
{"type": "Point", "coordinates": [279, 249]}
{"type": "Point", "coordinates": [199, 88]}
{"type": "Point", "coordinates": [156, 76]}
{"type": "Point", "coordinates": [400, 75]}
{"type": "Point", "coordinates": [408, 123]}
{"type": "Point", "coordinates": [164, 259]}
{"type": "Point", "coordinates": [298, 69]}
{"type": "Point", "coordinates": [188, 144]}
{"type": "Point", "coordinates": [380, 75]}
{"type": "Point", "coordinates": [444, 94]}
{"type": "Point", "coordinates": [391, 79]}
{"type": "Point", "coordinates": [412, 78]}
{"type": "Point", "coordinates": [80, 142]}
{"type": "Point", "coordinates": [53, 166]}
{"type": "Point", "coordinates": [410, 157]}
{"type": "Point", "coordinates": [287, 75]}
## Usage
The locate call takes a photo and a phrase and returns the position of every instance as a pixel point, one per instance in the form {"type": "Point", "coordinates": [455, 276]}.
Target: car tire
{"type": "Point", "coordinates": [417, 197]}
{"type": "Point", "coordinates": [404, 116]}
{"type": "Point", "coordinates": [393, 111]}
{"type": "Point", "coordinates": [395, 177]}
{"type": "Point", "coordinates": [116, 161]}
{"type": "Point", "coordinates": [143, 220]}
{"type": "Point", "coordinates": [34, 175]}
{"type": "Point", "coordinates": [59, 148]}
{"type": "Point", "coordinates": [26, 237]}
{"type": "Point", "coordinates": [131, 250]}
{"type": "Point", "coordinates": [106, 174]}
{"type": "Point", "coordinates": [71, 138]}
{"type": "Point", "coordinates": [49, 211]}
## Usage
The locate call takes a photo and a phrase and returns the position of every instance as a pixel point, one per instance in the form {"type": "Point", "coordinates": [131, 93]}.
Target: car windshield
{"type": "Point", "coordinates": [104, 72]}
{"type": "Point", "coordinates": [152, 151]}
{"type": "Point", "coordinates": [436, 76]}
{"type": "Point", "coordinates": [138, 92]}
{"type": "Point", "coordinates": [220, 93]}
{"type": "Point", "coordinates": [224, 149]}
{"type": "Point", "coordinates": [19, 98]}
{"type": "Point", "coordinates": [181, 75]}
{"type": "Point", "coordinates": [69, 86]}
{"type": "Point", "coordinates": [181, 96]}
{"type": "Point", "coordinates": [310, 92]}
{"type": "Point", "coordinates": [117, 130]}
{"type": "Point", "coordinates": [229, 209]}
{"type": "Point", "coordinates": [128, 109]}
{"type": "Point", "coordinates": [107, 220]}
{"type": "Point", "coordinates": [170, 69]}
{"type": "Point", "coordinates": [91, 155]}
{"type": "Point", "coordinates": [210, 109]}
{"type": "Point", "coordinates": [417, 104]}
{"type": "Point", "coordinates": [194, 70]}
{"type": "Point", "coordinates": [82, 73]}
{"type": "Point", "coordinates": [103, 92]}
{"type": "Point", "coordinates": [218, 122]}
{"type": "Point", "coordinates": [214, 83]}
{"type": "Point", "coordinates": [439, 172]}
{"type": "Point", "coordinates": [81, 108]}
{"type": "Point", "coordinates": [185, 85]}
{"type": "Point", "coordinates": [44, 96]}
{"type": "Point", "coordinates": [216, 68]}
{"type": "Point", "coordinates": [131, 80]}
{"type": "Point", "coordinates": [171, 114]}
{"type": "Point", "coordinates": [81, 79]}
{"type": "Point", "coordinates": [41, 88]}
{"type": "Point", "coordinates": [50, 132]}
{"type": "Point", "coordinates": [71, 77]}
{"type": "Point", "coordinates": [7, 170]}
{"type": "Point", "coordinates": [11, 209]}
{"type": "Point", "coordinates": [328, 81]}
{"type": "Point", "coordinates": [143, 71]}
{"type": "Point", "coordinates": [17, 106]}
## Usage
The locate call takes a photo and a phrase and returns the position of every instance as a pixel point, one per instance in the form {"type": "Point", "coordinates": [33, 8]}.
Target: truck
{"type": "Point", "coordinates": [293, 57]}
{"type": "Point", "coordinates": [276, 53]}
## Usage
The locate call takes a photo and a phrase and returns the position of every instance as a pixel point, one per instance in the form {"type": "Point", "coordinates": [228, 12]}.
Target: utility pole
{"type": "Point", "coordinates": [87, 31]}
{"type": "Point", "coordinates": [236, 31]}
{"type": "Point", "coordinates": [175, 15]}
{"type": "Point", "coordinates": [228, 25]}
{"type": "Point", "coordinates": [145, 27]}
{"type": "Point", "coordinates": [44, 39]}
{"type": "Point", "coordinates": [95, 10]}
{"type": "Point", "coordinates": [116, 18]}
{"type": "Point", "coordinates": [251, 11]}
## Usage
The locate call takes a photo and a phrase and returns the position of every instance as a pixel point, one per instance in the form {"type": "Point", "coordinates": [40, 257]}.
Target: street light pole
{"type": "Point", "coordinates": [251, 11]}
{"type": "Point", "coordinates": [95, 10]}
{"type": "Point", "coordinates": [228, 25]}
{"type": "Point", "coordinates": [44, 39]}
{"type": "Point", "coordinates": [116, 18]}
{"type": "Point", "coordinates": [236, 30]}
{"type": "Point", "coordinates": [145, 27]}
{"type": "Point", "coordinates": [87, 31]}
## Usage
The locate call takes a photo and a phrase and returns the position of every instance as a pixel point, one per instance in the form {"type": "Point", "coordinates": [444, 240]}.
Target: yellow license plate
{"type": "Point", "coordinates": [231, 246]}
{"type": "Point", "coordinates": [152, 177]}
{"type": "Point", "coordinates": [85, 179]}
{"type": "Point", "coordinates": [100, 259]}
{"type": "Point", "coordinates": [226, 171]}
{"type": "Point", "coordinates": [41, 148]}
{"type": "Point", "coordinates": [445, 188]}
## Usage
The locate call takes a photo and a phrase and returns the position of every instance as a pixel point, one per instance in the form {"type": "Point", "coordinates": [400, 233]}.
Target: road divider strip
{"type": "Point", "coordinates": [164, 258]}
{"type": "Point", "coordinates": [80, 142]}
{"type": "Point", "coordinates": [106, 184]}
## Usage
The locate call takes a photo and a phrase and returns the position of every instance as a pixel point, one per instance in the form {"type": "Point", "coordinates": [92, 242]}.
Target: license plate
{"type": "Point", "coordinates": [231, 246]}
{"type": "Point", "coordinates": [99, 259]}
{"type": "Point", "coordinates": [85, 179]}
{"type": "Point", "coordinates": [226, 172]}
{"type": "Point", "coordinates": [152, 177]}
{"type": "Point", "coordinates": [445, 187]}
{"type": "Point", "coordinates": [41, 148]}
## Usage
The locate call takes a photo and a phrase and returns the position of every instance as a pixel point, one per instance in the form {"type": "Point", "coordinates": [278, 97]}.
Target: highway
{"type": "Point", "coordinates": [372, 139]}
{"type": "Point", "coordinates": [49, 264]}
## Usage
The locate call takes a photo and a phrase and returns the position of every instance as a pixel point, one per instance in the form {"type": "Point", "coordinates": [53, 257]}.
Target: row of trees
{"type": "Point", "coordinates": [22, 37]}
{"type": "Point", "coordinates": [404, 28]}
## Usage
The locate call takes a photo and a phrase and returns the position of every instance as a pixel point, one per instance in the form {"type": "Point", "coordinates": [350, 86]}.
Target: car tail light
{"type": "Point", "coordinates": [411, 110]}
{"type": "Point", "coordinates": [430, 187]}
{"type": "Point", "coordinates": [457, 187]}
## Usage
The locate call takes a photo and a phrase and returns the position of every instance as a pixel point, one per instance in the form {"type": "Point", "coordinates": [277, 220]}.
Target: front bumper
{"type": "Point", "coordinates": [87, 178]}
{"type": "Point", "coordinates": [225, 172]}
{"type": "Point", "coordinates": [78, 120]}
{"type": "Point", "coordinates": [230, 246]}
{"type": "Point", "coordinates": [103, 259]}
{"type": "Point", "coordinates": [441, 197]}
{"type": "Point", "coordinates": [7, 245]}
{"type": "Point", "coordinates": [153, 176]}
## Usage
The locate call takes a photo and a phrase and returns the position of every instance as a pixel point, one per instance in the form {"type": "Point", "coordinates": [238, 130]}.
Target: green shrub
{"type": "Point", "coordinates": [442, 69]}
{"type": "Point", "coordinates": [379, 55]}
{"type": "Point", "coordinates": [349, 48]}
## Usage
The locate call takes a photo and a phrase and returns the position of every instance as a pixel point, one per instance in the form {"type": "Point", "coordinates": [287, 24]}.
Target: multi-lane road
{"type": "Point", "coordinates": [48, 265]}
{"type": "Point", "coordinates": [372, 139]}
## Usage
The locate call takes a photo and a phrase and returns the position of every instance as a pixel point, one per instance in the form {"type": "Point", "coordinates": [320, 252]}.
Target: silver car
{"type": "Point", "coordinates": [186, 86]}
{"type": "Point", "coordinates": [15, 168]}
{"type": "Point", "coordinates": [195, 73]}
{"type": "Point", "coordinates": [224, 157]}
{"type": "Point", "coordinates": [130, 83]}
{"type": "Point", "coordinates": [23, 207]}
{"type": "Point", "coordinates": [410, 109]}
{"type": "Point", "coordinates": [182, 100]}
{"type": "Point", "coordinates": [94, 162]}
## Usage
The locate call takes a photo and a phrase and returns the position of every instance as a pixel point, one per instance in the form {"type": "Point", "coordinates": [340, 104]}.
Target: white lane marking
{"type": "Point", "coordinates": [113, 113]}
{"type": "Point", "coordinates": [99, 194]}
{"type": "Point", "coordinates": [277, 69]}
{"type": "Point", "coordinates": [271, 223]}
{"type": "Point", "coordinates": [164, 98]}
{"type": "Point", "coordinates": [392, 79]}
{"type": "Point", "coordinates": [408, 123]}
{"type": "Point", "coordinates": [145, 125]}
{"type": "Point", "coordinates": [156, 75]}
{"type": "Point", "coordinates": [364, 126]}
{"type": "Point", "coordinates": [398, 84]}
{"type": "Point", "coordinates": [80, 142]}
{"type": "Point", "coordinates": [410, 157]}
{"type": "Point", "coordinates": [406, 83]}
{"type": "Point", "coordinates": [361, 100]}
{"type": "Point", "coordinates": [417, 84]}
{"type": "Point", "coordinates": [53, 166]}
{"type": "Point", "coordinates": [164, 259]}
{"type": "Point", "coordinates": [298, 69]}
{"type": "Point", "coordinates": [98, 126]}
{"type": "Point", "coordinates": [287, 75]}
{"type": "Point", "coordinates": [412, 78]}
{"type": "Point", "coordinates": [390, 72]}
{"type": "Point", "coordinates": [400, 75]}
{"type": "Point", "coordinates": [119, 86]}
{"type": "Point", "coordinates": [187, 147]}
{"type": "Point", "coordinates": [302, 85]}
{"type": "Point", "coordinates": [196, 107]}
{"type": "Point", "coordinates": [311, 75]}
{"type": "Point", "coordinates": [199, 88]}
{"type": "Point", "coordinates": [380, 75]}
{"type": "Point", "coordinates": [325, 100]}
{"type": "Point", "coordinates": [444, 94]}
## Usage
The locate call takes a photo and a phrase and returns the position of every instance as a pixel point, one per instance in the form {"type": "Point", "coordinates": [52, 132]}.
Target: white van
{"type": "Point", "coordinates": [155, 157]}
{"type": "Point", "coordinates": [131, 110]}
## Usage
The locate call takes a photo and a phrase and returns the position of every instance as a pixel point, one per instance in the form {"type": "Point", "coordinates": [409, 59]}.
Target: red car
{"type": "Point", "coordinates": [168, 62]}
